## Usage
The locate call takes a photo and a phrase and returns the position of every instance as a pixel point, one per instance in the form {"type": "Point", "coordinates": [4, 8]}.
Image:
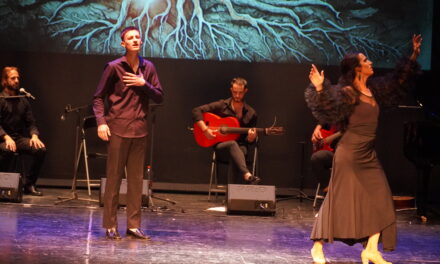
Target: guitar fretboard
{"type": "Point", "coordinates": [237, 130]}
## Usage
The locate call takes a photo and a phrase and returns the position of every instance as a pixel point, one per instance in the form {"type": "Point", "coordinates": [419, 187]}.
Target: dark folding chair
{"type": "Point", "coordinates": [214, 186]}
{"type": "Point", "coordinates": [88, 123]}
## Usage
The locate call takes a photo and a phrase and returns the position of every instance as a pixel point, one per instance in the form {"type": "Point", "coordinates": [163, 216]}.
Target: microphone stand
{"type": "Point", "coordinates": [423, 165]}
{"type": "Point", "coordinates": [12, 96]}
{"type": "Point", "coordinates": [26, 94]}
{"type": "Point", "coordinates": [151, 196]}
{"type": "Point", "coordinates": [74, 195]}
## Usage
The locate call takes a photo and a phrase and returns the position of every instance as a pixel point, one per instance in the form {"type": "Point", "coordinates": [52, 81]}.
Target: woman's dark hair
{"type": "Point", "coordinates": [348, 65]}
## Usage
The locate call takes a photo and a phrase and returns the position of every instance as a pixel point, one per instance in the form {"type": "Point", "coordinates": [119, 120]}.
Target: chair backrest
{"type": "Point", "coordinates": [89, 122]}
{"type": "Point", "coordinates": [95, 146]}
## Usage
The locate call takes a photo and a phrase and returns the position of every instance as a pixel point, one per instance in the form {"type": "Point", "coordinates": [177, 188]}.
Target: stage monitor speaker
{"type": "Point", "coordinates": [11, 188]}
{"type": "Point", "coordinates": [123, 192]}
{"type": "Point", "coordinates": [251, 199]}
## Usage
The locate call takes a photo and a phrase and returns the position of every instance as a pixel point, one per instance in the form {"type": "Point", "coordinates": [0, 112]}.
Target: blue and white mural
{"type": "Point", "coordinates": [294, 31]}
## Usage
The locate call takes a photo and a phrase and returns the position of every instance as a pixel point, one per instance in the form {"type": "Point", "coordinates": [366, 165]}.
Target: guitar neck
{"type": "Point", "coordinates": [238, 130]}
{"type": "Point", "coordinates": [330, 138]}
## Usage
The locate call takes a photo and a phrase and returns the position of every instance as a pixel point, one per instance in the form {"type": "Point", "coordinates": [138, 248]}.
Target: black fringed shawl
{"type": "Point", "coordinates": [335, 103]}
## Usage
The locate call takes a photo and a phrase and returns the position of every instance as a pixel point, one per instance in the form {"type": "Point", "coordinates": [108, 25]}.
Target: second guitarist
{"type": "Point", "coordinates": [234, 106]}
{"type": "Point", "coordinates": [323, 151]}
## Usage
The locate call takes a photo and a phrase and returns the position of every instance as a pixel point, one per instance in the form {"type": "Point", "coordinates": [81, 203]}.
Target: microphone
{"type": "Point", "coordinates": [22, 90]}
{"type": "Point", "coordinates": [66, 110]}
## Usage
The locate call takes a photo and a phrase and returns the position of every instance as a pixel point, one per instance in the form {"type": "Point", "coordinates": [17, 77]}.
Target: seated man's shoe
{"type": "Point", "coordinates": [31, 190]}
{"type": "Point", "coordinates": [137, 234]}
{"type": "Point", "coordinates": [254, 180]}
{"type": "Point", "coordinates": [112, 234]}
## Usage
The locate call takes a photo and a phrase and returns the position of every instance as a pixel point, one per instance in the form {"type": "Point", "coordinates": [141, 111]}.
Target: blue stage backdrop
{"type": "Point", "coordinates": [292, 31]}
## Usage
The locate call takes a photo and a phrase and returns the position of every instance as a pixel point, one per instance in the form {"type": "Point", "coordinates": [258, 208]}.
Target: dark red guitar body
{"type": "Point", "coordinates": [325, 144]}
{"type": "Point", "coordinates": [215, 122]}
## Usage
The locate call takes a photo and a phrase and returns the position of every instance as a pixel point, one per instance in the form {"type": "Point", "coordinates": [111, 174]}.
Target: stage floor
{"type": "Point", "coordinates": [37, 231]}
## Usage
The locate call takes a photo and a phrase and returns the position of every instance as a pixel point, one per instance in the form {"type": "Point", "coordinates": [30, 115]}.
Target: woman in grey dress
{"type": "Point", "coordinates": [358, 207]}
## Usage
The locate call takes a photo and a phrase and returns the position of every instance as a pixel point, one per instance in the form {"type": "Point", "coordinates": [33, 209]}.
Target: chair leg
{"type": "Point", "coordinates": [254, 163]}
{"type": "Point", "coordinates": [86, 165]}
{"type": "Point", "coordinates": [213, 174]}
{"type": "Point", "coordinates": [316, 195]}
{"type": "Point", "coordinates": [75, 173]}
{"type": "Point", "coordinates": [216, 179]}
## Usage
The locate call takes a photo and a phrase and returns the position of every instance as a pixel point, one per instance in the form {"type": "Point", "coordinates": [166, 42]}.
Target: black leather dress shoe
{"type": "Point", "coordinates": [137, 234]}
{"type": "Point", "coordinates": [31, 190]}
{"type": "Point", "coordinates": [112, 234]}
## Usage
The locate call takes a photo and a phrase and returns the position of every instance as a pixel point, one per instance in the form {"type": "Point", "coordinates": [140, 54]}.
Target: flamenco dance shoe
{"type": "Point", "coordinates": [318, 256]}
{"type": "Point", "coordinates": [374, 257]}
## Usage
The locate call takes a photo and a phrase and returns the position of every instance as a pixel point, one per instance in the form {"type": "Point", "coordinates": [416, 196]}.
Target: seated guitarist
{"type": "Point", "coordinates": [322, 157]}
{"type": "Point", "coordinates": [234, 106]}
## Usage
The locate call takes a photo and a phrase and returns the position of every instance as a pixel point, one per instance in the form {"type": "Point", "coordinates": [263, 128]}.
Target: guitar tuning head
{"type": "Point", "coordinates": [274, 131]}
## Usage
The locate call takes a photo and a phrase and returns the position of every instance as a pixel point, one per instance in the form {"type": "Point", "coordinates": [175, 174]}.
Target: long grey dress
{"type": "Point", "coordinates": [359, 202]}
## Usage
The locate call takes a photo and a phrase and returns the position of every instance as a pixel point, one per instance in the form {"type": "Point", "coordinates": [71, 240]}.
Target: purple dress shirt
{"type": "Point", "coordinates": [127, 110]}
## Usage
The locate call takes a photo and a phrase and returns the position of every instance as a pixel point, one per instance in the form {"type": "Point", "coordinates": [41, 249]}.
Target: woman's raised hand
{"type": "Point", "coordinates": [416, 43]}
{"type": "Point", "coordinates": [316, 78]}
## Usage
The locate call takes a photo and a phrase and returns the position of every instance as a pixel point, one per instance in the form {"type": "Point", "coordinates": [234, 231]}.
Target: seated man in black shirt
{"type": "Point", "coordinates": [234, 106]}
{"type": "Point", "coordinates": [18, 131]}
{"type": "Point", "coordinates": [324, 139]}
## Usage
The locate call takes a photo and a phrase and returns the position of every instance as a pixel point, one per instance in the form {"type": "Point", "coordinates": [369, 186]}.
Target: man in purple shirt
{"type": "Point", "coordinates": [127, 84]}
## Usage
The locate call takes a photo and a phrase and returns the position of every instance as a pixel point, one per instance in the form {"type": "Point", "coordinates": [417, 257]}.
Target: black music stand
{"type": "Point", "coordinates": [300, 193]}
{"type": "Point", "coordinates": [422, 164]}
{"type": "Point", "coordinates": [74, 194]}
{"type": "Point", "coordinates": [151, 196]}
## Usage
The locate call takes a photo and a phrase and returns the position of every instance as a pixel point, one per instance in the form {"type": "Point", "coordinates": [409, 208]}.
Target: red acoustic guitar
{"type": "Point", "coordinates": [226, 129]}
{"type": "Point", "coordinates": [328, 136]}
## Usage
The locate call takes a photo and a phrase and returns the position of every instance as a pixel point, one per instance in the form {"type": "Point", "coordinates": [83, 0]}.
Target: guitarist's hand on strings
{"type": "Point", "coordinates": [252, 135]}
{"type": "Point", "coordinates": [209, 133]}
{"type": "Point", "coordinates": [317, 136]}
